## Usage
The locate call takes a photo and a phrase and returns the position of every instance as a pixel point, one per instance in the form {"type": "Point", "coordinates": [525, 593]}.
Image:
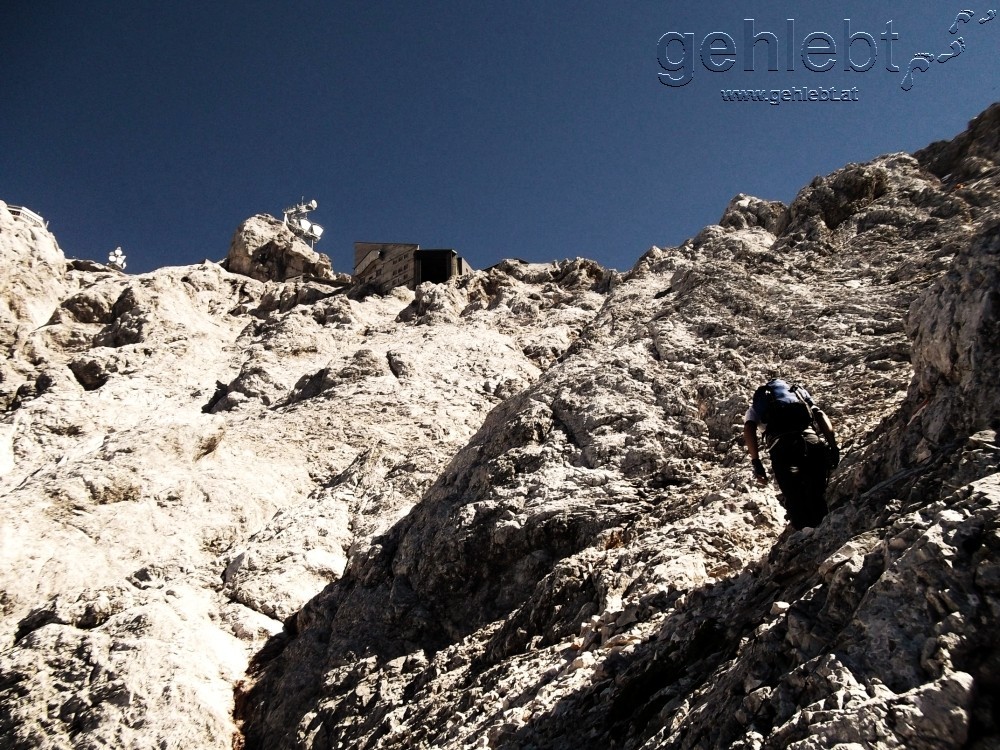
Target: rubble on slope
{"type": "Point", "coordinates": [178, 478]}
{"type": "Point", "coordinates": [513, 511]}
{"type": "Point", "coordinates": [595, 570]}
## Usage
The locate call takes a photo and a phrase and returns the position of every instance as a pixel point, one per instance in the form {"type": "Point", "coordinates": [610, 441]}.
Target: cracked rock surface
{"type": "Point", "coordinates": [264, 510]}
{"type": "Point", "coordinates": [188, 456]}
{"type": "Point", "coordinates": [594, 569]}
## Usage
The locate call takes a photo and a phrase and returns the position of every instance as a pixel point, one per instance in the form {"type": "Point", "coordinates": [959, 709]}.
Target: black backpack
{"type": "Point", "coordinates": [783, 408]}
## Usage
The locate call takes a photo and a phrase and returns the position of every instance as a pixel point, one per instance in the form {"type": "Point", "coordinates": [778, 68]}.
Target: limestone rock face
{"type": "Point", "coordinates": [32, 285]}
{"type": "Point", "coordinates": [594, 569]}
{"type": "Point", "coordinates": [189, 456]}
{"type": "Point", "coordinates": [32, 281]}
{"type": "Point", "coordinates": [263, 248]}
{"type": "Point", "coordinates": [970, 155]}
{"type": "Point", "coordinates": [250, 508]}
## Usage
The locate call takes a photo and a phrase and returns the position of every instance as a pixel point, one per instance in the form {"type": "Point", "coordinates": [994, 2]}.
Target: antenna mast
{"type": "Point", "coordinates": [296, 220]}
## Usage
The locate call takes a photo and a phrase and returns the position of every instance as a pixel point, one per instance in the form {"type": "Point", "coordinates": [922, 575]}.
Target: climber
{"type": "Point", "coordinates": [801, 462]}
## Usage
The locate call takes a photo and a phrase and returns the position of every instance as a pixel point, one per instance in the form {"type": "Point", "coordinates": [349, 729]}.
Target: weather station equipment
{"type": "Point", "coordinates": [296, 219]}
{"type": "Point", "coordinates": [116, 259]}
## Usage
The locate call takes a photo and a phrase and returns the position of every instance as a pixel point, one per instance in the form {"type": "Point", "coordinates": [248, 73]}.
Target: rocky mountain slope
{"type": "Point", "coordinates": [513, 511]}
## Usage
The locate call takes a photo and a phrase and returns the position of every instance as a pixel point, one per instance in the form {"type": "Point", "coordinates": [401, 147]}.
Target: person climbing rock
{"type": "Point", "coordinates": [801, 462]}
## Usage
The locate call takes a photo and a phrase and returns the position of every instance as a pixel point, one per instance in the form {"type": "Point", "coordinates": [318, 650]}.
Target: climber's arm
{"type": "Point", "coordinates": [750, 439]}
{"type": "Point", "coordinates": [753, 448]}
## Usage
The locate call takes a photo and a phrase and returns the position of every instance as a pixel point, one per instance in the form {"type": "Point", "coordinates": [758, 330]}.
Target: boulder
{"type": "Point", "coordinates": [265, 249]}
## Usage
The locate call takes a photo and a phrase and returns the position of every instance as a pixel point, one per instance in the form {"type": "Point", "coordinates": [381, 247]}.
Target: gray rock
{"type": "Point", "coordinates": [263, 248]}
{"type": "Point", "coordinates": [513, 511]}
{"type": "Point", "coordinates": [593, 568]}
{"type": "Point", "coordinates": [132, 511]}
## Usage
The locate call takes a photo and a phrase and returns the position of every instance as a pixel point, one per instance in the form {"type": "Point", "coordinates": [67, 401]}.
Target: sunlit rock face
{"type": "Point", "coordinates": [253, 508]}
{"type": "Point", "coordinates": [265, 249]}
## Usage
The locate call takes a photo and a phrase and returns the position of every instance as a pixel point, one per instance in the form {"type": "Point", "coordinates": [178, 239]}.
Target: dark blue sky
{"type": "Point", "coordinates": [503, 128]}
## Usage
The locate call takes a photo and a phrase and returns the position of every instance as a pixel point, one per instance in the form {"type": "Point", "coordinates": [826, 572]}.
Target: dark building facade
{"type": "Point", "coordinates": [386, 265]}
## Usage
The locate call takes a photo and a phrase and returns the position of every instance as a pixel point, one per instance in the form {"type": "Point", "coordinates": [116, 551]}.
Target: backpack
{"type": "Point", "coordinates": [783, 408]}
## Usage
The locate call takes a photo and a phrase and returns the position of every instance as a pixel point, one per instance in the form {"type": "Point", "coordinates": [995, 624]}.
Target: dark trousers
{"type": "Point", "coordinates": [801, 466]}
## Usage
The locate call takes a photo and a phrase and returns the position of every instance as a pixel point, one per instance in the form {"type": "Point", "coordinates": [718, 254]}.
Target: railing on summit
{"type": "Point", "coordinates": [27, 213]}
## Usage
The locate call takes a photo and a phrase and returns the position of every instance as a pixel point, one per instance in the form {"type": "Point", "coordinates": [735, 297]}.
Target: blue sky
{"type": "Point", "coordinates": [501, 129]}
